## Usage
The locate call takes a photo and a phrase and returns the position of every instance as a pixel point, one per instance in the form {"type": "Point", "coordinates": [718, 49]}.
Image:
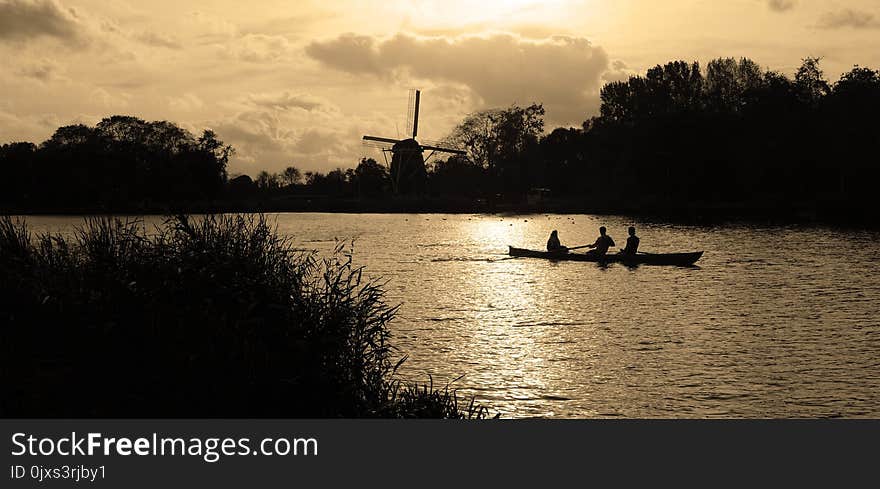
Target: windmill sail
{"type": "Point", "coordinates": [408, 172]}
{"type": "Point", "coordinates": [410, 111]}
{"type": "Point", "coordinates": [415, 119]}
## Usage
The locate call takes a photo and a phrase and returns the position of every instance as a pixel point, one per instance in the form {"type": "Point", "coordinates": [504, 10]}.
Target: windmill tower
{"type": "Point", "coordinates": [408, 173]}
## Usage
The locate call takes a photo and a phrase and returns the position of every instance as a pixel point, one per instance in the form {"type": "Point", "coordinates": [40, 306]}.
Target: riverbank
{"type": "Point", "coordinates": [207, 317]}
{"type": "Point", "coordinates": [767, 211]}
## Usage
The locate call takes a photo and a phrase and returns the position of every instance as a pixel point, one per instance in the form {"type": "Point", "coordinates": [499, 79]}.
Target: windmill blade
{"type": "Point", "coordinates": [444, 150]}
{"type": "Point", "coordinates": [415, 124]}
{"type": "Point", "coordinates": [433, 142]}
{"type": "Point", "coordinates": [382, 140]}
{"type": "Point", "coordinates": [410, 110]}
{"type": "Point", "coordinates": [378, 145]}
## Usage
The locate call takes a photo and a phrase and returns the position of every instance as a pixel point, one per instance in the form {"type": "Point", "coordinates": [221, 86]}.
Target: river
{"type": "Point", "coordinates": [772, 322]}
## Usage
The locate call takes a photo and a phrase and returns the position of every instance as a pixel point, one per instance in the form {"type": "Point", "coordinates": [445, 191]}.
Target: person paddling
{"type": "Point", "coordinates": [553, 244]}
{"type": "Point", "coordinates": [632, 243]}
{"type": "Point", "coordinates": [603, 242]}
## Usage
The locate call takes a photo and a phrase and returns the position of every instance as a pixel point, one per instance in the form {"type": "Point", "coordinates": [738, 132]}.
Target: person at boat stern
{"type": "Point", "coordinates": [553, 244]}
{"type": "Point", "coordinates": [632, 243]}
{"type": "Point", "coordinates": [603, 242]}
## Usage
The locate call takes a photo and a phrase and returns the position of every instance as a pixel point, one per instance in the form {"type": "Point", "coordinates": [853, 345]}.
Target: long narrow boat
{"type": "Point", "coordinates": [680, 259]}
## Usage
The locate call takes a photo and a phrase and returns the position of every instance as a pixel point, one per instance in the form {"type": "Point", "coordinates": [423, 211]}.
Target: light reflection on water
{"type": "Point", "coordinates": [774, 322]}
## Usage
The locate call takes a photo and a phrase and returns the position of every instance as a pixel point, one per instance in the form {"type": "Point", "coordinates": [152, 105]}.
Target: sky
{"type": "Point", "coordinates": [298, 83]}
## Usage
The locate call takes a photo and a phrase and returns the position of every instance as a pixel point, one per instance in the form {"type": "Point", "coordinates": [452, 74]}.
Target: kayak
{"type": "Point", "coordinates": [680, 259]}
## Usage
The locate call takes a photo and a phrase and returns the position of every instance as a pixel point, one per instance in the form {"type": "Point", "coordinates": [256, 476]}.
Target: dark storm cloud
{"type": "Point", "coordinates": [855, 19]}
{"type": "Point", "coordinates": [564, 73]}
{"type": "Point", "coordinates": [781, 5]}
{"type": "Point", "coordinates": [25, 19]}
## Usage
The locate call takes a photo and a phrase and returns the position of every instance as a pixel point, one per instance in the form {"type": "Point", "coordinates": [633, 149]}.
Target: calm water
{"type": "Point", "coordinates": [775, 322]}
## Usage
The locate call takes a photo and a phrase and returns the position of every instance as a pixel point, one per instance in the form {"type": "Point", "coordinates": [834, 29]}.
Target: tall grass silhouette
{"type": "Point", "coordinates": [209, 317]}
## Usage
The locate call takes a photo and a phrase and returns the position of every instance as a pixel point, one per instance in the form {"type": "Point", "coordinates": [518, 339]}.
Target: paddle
{"type": "Point", "coordinates": [579, 247]}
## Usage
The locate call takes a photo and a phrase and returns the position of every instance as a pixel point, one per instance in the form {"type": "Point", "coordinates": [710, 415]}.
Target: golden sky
{"type": "Point", "coordinates": [299, 82]}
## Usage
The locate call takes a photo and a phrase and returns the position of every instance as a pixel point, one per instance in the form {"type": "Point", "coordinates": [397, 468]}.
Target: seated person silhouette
{"type": "Point", "coordinates": [553, 244]}
{"type": "Point", "coordinates": [603, 242]}
{"type": "Point", "coordinates": [632, 243]}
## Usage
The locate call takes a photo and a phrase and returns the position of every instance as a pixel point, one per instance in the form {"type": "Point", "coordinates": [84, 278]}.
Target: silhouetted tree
{"type": "Point", "coordinates": [458, 176]}
{"type": "Point", "coordinates": [122, 162]}
{"type": "Point", "coordinates": [337, 182]}
{"type": "Point", "coordinates": [291, 176]}
{"type": "Point", "coordinates": [371, 178]}
{"type": "Point", "coordinates": [19, 172]}
{"type": "Point", "coordinates": [728, 83]}
{"type": "Point", "coordinates": [811, 83]}
{"type": "Point", "coordinates": [499, 139]}
{"type": "Point", "coordinates": [268, 182]}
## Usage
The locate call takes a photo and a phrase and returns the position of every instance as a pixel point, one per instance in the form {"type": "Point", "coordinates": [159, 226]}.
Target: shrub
{"type": "Point", "coordinates": [211, 317]}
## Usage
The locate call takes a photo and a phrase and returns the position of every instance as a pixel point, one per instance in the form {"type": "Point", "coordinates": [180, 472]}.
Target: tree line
{"type": "Point", "coordinates": [729, 134]}
{"type": "Point", "coordinates": [681, 135]}
{"type": "Point", "coordinates": [120, 161]}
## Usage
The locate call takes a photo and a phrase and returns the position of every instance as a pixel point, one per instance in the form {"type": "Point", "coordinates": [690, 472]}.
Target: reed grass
{"type": "Point", "coordinates": [211, 317]}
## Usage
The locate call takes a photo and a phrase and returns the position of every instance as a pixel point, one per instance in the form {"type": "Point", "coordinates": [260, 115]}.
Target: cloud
{"type": "Point", "coordinates": [619, 71]}
{"type": "Point", "coordinates": [155, 39]}
{"type": "Point", "coordinates": [26, 19]}
{"type": "Point", "coordinates": [562, 72]}
{"type": "Point", "coordinates": [214, 27]}
{"type": "Point", "coordinates": [150, 38]}
{"type": "Point", "coordinates": [187, 102]}
{"type": "Point", "coordinates": [349, 52]}
{"type": "Point", "coordinates": [265, 140]}
{"type": "Point", "coordinates": [316, 142]}
{"type": "Point", "coordinates": [855, 19]}
{"type": "Point", "coordinates": [44, 70]}
{"type": "Point", "coordinates": [271, 130]}
{"type": "Point", "coordinates": [259, 48]}
{"type": "Point", "coordinates": [287, 101]}
{"type": "Point", "coordinates": [257, 136]}
{"type": "Point", "coordinates": [33, 127]}
{"type": "Point", "coordinates": [110, 100]}
{"type": "Point", "coordinates": [781, 5]}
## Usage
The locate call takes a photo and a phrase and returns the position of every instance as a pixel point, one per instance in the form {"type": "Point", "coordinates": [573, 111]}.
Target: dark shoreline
{"type": "Point", "coordinates": [703, 214]}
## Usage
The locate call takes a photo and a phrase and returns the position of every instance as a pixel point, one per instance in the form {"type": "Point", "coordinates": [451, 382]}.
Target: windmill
{"type": "Point", "coordinates": [408, 173]}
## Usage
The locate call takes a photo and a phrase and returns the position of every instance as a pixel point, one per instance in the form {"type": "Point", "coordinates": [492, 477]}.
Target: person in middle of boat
{"type": "Point", "coordinates": [632, 243]}
{"type": "Point", "coordinates": [603, 242]}
{"type": "Point", "coordinates": [553, 244]}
